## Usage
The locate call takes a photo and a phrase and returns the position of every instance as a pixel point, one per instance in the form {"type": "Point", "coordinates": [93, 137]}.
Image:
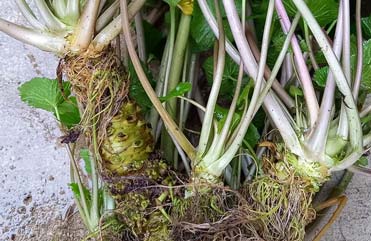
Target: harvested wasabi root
{"type": "Point", "coordinates": [275, 206]}
{"type": "Point", "coordinates": [128, 142]}
{"type": "Point", "coordinates": [100, 85]}
{"type": "Point", "coordinates": [133, 175]}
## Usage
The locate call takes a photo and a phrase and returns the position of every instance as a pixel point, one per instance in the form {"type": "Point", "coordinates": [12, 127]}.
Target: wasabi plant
{"type": "Point", "coordinates": [254, 104]}
{"type": "Point", "coordinates": [315, 137]}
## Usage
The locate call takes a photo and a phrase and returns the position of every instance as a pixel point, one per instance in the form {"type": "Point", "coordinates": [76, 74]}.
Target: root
{"type": "Point", "coordinates": [100, 86]}
{"type": "Point", "coordinates": [266, 210]}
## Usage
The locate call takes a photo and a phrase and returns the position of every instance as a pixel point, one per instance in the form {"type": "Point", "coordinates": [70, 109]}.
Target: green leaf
{"type": "Point", "coordinates": [366, 68]}
{"type": "Point", "coordinates": [366, 27]}
{"type": "Point", "coordinates": [41, 93]}
{"type": "Point", "coordinates": [366, 119]}
{"type": "Point", "coordinates": [252, 135]}
{"type": "Point", "coordinates": [295, 91]}
{"type": "Point", "coordinates": [136, 89]}
{"type": "Point", "coordinates": [244, 95]}
{"type": "Point", "coordinates": [325, 11]}
{"type": "Point", "coordinates": [179, 90]}
{"type": "Point", "coordinates": [153, 38]}
{"type": "Point", "coordinates": [363, 161]}
{"type": "Point", "coordinates": [69, 112]}
{"type": "Point", "coordinates": [85, 155]}
{"type": "Point", "coordinates": [200, 31]}
{"type": "Point", "coordinates": [45, 94]}
{"type": "Point", "coordinates": [76, 191]}
{"type": "Point", "coordinates": [221, 116]}
{"type": "Point", "coordinates": [229, 78]}
{"type": "Point", "coordinates": [320, 76]}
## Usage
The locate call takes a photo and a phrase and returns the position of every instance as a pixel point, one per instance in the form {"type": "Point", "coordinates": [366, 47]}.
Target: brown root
{"type": "Point", "coordinates": [100, 86]}
{"type": "Point", "coordinates": [266, 210]}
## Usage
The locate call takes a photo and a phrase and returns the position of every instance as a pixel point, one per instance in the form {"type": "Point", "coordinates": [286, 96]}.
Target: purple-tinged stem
{"type": "Point", "coordinates": [358, 77]}
{"type": "Point", "coordinates": [233, 53]}
{"type": "Point", "coordinates": [343, 129]}
{"type": "Point", "coordinates": [274, 109]}
{"type": "Point", "coordinates": [317, 138]}
{"type": "Point", "coordinates": [306, 81]}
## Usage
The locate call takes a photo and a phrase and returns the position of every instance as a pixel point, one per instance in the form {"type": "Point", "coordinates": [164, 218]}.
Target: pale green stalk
{"type": "Point", "coordinates": [84, 31]}
{"type": "Point", "coordinates": [342, 83]}
{"type": "Point", "coordinates": [365, 111]}
{"type": "Point", "coordinates": [317, 139]}
{"type": "Point", "coordinates": [169, 122]}
{"type": "Point", "coordinates": [233, 53]}
{"type": "Point", "coordinates": [107, 16]}
{"type": "Point", "coordinates": [43, 41]}
{"type": "Point", "coordinates": [101, 6]}
{"type": "Point", "coordinates": [52, 22]}
{"type": "Point", "coordinates": [303, 72]}
{"type": "Point", "coordinates": [277, 66]}
{"type": "Point", "coordinates": [108, 33]}
{"type": "Point", "coordinates": [59, 7]}
{"type": "Point", "coordinates": [171, 39]}
{"type": "Point", "coordinates": [217, 81]}
{"type": "Point", "coordinates": [29, 15]}
{"type": "Point", "coordinates": [73, 8]}
{"type": "Point", "coordinates": [153, 117]}
{"type": "Point", "coordinates": [310, 48]}
{"type": "Point", "coordinates": [218, 164]}
{"type": "Point", "coordinates": [273, 107]}
{"type": "Point", "coordinates": [75, 178]}
{"type": "Point", "coordinates": [177, 62]}
{"type": "Point", "coordinates": [140, 36]}
{"type": "Point", "coordinates": [217, 148]}
{"type": "Point", "coordinates": [343, 129]}
{"type": "Point", "coordinates": [358, 76]}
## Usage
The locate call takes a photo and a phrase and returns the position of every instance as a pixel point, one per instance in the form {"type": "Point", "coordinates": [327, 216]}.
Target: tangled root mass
{"type": "Point", "coordinates": [266, 210]}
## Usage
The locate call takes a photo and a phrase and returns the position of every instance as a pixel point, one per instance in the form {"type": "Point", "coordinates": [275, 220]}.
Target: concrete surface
{"type": "Point", "coordinates": [34, 167]}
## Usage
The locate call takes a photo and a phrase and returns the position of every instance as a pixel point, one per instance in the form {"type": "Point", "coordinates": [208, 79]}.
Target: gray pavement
{"type": "Point", "coordinates": [34, 166]}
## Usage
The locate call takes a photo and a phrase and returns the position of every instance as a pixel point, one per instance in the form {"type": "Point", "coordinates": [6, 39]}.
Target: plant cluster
{"type": "Point", "coordinates": [203, 120]}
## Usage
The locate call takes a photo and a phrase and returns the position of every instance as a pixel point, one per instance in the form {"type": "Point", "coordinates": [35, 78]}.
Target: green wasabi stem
{"type": "Point", "coordinates": [355, 130]}
{"type": "Point", "coordinates": [84, 31]}
{"type": "Point", "coordinates": [154, 116]}
{"type": "Point", "coordinates": [29, 15]}
{"type": "Point", "coordinates": [174, 77]}
{"type": "Point", "coordinates": [107, 16]}
{"type": "Point", "coordinates": [42, 40]}
{"type": "Point", "coordinates": [114, 28]}
{"type": "Point", "coordinates": [168, 121]}
{"type": "Point", "coordinates": [51, 21]}
{"type": "Point", "coordinates": [217, 81]}
{"type": "Point", "coordinates": [73, 11]}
